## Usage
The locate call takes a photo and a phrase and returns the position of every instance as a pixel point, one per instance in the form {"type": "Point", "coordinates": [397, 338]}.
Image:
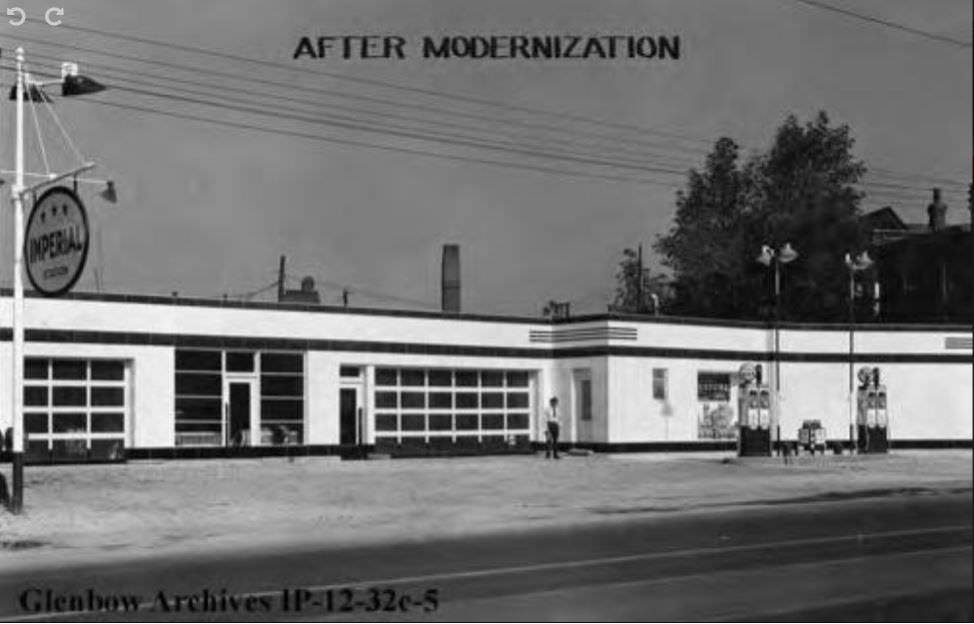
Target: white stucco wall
{"type": "Point", "coordinates": [927, 400]}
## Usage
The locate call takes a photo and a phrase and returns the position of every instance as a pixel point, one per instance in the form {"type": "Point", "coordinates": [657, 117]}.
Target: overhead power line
{"type": "Point", "coordinates": [886, 23]}
{"type": "Point", "coordinates": [379, 83]}
{"type": "Point", "coordinates": [651, 157]}
{"type": "Point", "coordinates": [390, 148]}
{"type": "Point", "coordinates": [425, 107]}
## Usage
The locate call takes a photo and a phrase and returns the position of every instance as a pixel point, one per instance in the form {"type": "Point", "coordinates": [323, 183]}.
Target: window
{"type": "Point", "coordinates": [199, 397]}
{"type": "Point", "coordinates": [585, 398]}
{"type": "Point", "coordinates": [75, 408]}
{"type": "Point", "coordinates": [281, 398]}
{"type": "Point", "coordinates": [240, 361]}
{"type": "Point", "coordinates": [713, 386]}
{"type": "Point", "coordinates": [350, 371]}
{"type": "Point", "coordinates": [659, 384]}
{"type": "Point", "coordinates": [200, 376]}
{"type": "Point", "coordinates": [439, 406]}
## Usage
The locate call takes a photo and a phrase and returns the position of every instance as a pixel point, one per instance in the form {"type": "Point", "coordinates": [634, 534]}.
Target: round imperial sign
{"type": "Point", "coordinates": [56, 241]}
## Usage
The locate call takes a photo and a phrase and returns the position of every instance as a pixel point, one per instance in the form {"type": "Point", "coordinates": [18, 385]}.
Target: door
{"type": "Point", "coordinates": [239, 414]}
{"type": "Point", "coordinates": [582, 396]}
{"type": "Point", "coordinates": [348, 419]}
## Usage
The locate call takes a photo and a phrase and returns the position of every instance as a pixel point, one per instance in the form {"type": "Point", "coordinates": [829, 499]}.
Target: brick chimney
{"type": "Point", "coordinates": [937, 212]}
{"type": "Point", "coordinates": [450, 285]}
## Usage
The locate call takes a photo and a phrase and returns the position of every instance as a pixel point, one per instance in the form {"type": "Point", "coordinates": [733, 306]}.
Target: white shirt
{"type": "Point", "coordinates": [551, 415]}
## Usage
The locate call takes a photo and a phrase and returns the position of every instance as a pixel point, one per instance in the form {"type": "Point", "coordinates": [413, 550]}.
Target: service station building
{"type": "Point", "coordinates": [108, 377]}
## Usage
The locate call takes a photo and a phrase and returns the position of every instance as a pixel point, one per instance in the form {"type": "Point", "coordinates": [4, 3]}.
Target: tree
{"type": "Point", "coordinates": [801, 191]}
{"type": "Point", "coordinates": [637, 290]}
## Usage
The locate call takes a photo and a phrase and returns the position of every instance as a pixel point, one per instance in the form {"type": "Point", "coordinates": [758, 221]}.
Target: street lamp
{"type": "Point", "coordinates": [26, 88]}
{"type": "Point", "coordinates": [857, 264]}
{"type": "Point", "coordinates": [775, 258]}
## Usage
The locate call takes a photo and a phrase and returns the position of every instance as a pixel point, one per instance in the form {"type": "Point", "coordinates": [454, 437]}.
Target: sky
{"type": "Point", "coordinates": [206, 209]}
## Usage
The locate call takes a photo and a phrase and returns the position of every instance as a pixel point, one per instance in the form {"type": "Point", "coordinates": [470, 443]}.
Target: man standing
{"type": "Point", "coordinates": [553, 426]}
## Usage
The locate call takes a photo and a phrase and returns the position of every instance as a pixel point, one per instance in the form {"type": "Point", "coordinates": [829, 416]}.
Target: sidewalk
{"type": "Point", "coordinates": [151, 507]}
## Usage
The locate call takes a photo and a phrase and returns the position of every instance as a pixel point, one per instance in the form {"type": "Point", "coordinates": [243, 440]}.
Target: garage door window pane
{"type": "Point", "coordinates": [467, 378]}
{"type": "Point", "coordinates": [70, 423]}
{"type": "Point", "coordinates": [36, 423]}
{"type": "Point", "coordinates": [441, 378]}
{"type": "Point", "coordinates": [413, 400]}
{"type": "Point", "coordinates": [107, 423]}
{"type": "Point", "coordinates": [466, 422]}
{"type": "Point", "coordinates": [386, 377]}
{"type": "Point", "coordinates": [35, 396]}
{"type": "Point", "coordinates": [493, 399]}
{"type": "Point", "coordinates": [102, 397]}
{"type": "Point", "coordinates": [441, 422]}
{"type": "Point", "coordinates": [386, 422]}
{"type": "Point", "coordinates": [492, 379]}
{"type": "Point", "coordinates": [441, 400]}
{"type": "Point", "coordinates": [467, 400]}
{"type": "Point", "coordinates": [71, 396]}
{"type": "Point", "coordinates": [517, 399]}
{"type": "Point", "coordinates": [517, 421]}
{"type": "Point", "coordinates": [386, 399]}
{"type": "Point", "coordinates": [517, 379]}
{"type": "Point", "coordinates": [107, 370]}
{"type": "Point", "coordinates": [35, 368]}
{"type": "Point", "coordinates": [413, 377]}
{"type": "Point", "coordinates": [70, 369]}
{"type": "Point", "coordinates": [493, 421]}
{"type": "Point", "coordinates": [414, 422]}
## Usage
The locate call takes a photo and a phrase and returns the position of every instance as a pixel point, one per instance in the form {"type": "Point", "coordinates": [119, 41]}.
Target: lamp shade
{"type": "Point", "coordinates": [80, 85]}
{"type": "Point", "coordinates": [767, 255]}
{"type": "Point", "coordinates": [109, 193]}
{"type": "Point", "coordinates": [787, 253]}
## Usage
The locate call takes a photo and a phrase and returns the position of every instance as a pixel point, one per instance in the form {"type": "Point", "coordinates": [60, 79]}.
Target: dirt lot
{"type": "Point", "coordinates": [123, 510]}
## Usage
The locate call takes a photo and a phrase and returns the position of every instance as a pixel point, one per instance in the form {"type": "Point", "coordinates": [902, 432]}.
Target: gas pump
{"type": "Point", "coordinates": [754, 407]}
{"type": "Point", "coordinates": [872, 418]}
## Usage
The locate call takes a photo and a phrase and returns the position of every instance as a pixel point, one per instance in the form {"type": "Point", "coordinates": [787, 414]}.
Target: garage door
{"type": "Point", "coordinates": [75, 410]}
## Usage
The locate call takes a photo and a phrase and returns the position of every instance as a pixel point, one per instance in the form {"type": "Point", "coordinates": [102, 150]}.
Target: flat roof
{"type": "Point", "coordinates": [492, 318]}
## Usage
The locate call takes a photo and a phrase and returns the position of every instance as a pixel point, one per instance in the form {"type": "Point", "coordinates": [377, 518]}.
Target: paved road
{"type": "Point", "coordinates": [885, 558]}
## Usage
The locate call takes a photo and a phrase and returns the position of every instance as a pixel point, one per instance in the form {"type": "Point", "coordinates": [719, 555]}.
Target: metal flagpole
{"type": "Point", "coordinates": [17, 322]}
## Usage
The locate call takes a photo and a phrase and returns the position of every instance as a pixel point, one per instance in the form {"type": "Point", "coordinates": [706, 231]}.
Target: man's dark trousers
{"type": "Point", "coordinates": [552, 440]}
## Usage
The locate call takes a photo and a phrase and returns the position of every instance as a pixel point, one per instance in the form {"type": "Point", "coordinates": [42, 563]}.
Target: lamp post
{"type": "Point", "coordinates": [859, 263]}
{"type": "Point", "coordinates": [26, 88]}
{"type": "Point", "coordinates": [774, 259]}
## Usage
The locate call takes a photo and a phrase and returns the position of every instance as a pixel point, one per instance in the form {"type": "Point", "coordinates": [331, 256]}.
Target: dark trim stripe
{"type": "Point", "coordinates": [584, 334]}
{"type": "Point", "coordinates": [295, 344]}
{"type": "Point", "coordinates": [490, 318]}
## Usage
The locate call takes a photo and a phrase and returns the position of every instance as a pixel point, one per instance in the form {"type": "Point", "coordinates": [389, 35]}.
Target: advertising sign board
{"type": "Point", "coordinates": [56, 241]}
